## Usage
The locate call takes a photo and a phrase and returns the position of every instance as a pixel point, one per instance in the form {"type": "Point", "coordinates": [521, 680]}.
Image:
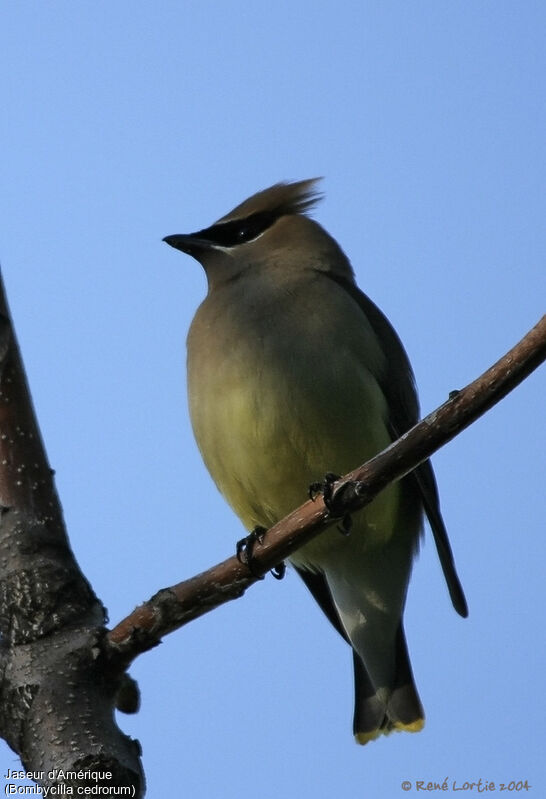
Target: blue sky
{"type": "Point", "coordinates": [123, 122]}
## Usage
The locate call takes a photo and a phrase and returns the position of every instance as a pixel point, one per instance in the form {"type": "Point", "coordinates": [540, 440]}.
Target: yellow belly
{"type": "Point", "coordinates": [283, 389]}
{"type": "Point", "coordinates": [266, 436]}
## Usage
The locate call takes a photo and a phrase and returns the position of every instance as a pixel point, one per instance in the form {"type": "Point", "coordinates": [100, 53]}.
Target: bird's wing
{"type": "Point", "coordinates": [398, 385]}
{"type": "Point", "coordinates": [317, 585]}
{"type": "Point", "coordinates": [426, 483]}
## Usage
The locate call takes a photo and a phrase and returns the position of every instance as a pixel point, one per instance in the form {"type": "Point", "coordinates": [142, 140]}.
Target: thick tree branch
{"type": "Point", "coordinates": [173, 607]}
{"type": "Point", "coordinates": [56, 689]}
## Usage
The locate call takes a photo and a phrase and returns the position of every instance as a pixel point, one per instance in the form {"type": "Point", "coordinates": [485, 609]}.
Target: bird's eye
{"type": "Point", "coordinates": [231, 234]}
{"type": "Point", "coordinates": [243, 232]}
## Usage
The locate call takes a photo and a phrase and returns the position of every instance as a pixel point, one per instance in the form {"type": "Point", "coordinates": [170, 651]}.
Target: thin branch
{"type": "Point", "coordinates": [173, 607]}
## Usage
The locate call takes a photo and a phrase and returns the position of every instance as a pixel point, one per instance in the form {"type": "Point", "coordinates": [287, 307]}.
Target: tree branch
{"type": "Point", "coordinates": [173, 607]}
{"type": "Point", "coordinates": [57, 690]}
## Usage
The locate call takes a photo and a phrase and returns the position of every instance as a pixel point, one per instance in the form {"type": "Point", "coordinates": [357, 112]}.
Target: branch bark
{"type": "Point", "coordinates": [173, 607]}
{"type": "Point", "coordinates": [57, 689]}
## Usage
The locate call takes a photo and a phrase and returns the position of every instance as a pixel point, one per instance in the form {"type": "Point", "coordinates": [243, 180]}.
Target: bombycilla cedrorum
{"type": "Point", "coordinates": [292, 373]}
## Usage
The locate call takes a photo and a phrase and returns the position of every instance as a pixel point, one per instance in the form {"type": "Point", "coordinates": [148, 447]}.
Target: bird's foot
{"type": "Point", "coordinates": [324, 487]}
{"type": "Point", "coordinates": [346, 524]}
{"type": "Point", "coordinates": [279, 570]}
{"type": "Point", "coordinates": [335, 500]}
{"type": "Point", "coordinates": [245, 547]}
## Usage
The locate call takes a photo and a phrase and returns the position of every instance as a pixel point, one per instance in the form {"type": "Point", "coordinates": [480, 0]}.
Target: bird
{"type": "Point", "coordinates": [293, 373]}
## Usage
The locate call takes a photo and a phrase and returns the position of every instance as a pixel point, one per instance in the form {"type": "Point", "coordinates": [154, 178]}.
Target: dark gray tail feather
{"type": "Point", "coordinates": [402, 710]}
{"type": "Point", "coordinates": [372, 716]}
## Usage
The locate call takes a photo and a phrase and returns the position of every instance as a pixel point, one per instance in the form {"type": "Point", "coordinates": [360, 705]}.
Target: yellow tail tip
{"type": "Point", "coordinates": [413, 726]}
{"type": "Point", "coordinates": [363, 738]}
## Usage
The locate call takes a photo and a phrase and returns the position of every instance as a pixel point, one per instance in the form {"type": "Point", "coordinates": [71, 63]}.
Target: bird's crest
{"type": "Point", "coordinates": [298, 197]}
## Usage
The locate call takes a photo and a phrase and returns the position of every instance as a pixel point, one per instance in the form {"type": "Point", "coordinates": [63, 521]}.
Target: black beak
{"type": "Point", "coordinates": [190, 243]}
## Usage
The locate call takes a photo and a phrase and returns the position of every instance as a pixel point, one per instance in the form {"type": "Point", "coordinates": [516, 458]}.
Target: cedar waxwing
{"type": "Point", "coordinates": [292, 373]}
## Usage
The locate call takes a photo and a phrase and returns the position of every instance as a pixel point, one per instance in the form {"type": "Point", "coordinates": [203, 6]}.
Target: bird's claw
{"type": "Point", "coordinates": [335, 499]}
{"type": "Point", "coordinates": [245, 547]}
{"type": "Point", "coordinates": [324, 487]}
{"type": "Point", "coordinates": [346, 524]}
{"type": "Point", "coordinates": [279, 570]}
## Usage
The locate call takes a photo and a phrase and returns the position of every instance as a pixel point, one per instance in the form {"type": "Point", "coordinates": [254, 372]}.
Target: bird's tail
{"type": "Point", "coordinates": [380, 711]}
